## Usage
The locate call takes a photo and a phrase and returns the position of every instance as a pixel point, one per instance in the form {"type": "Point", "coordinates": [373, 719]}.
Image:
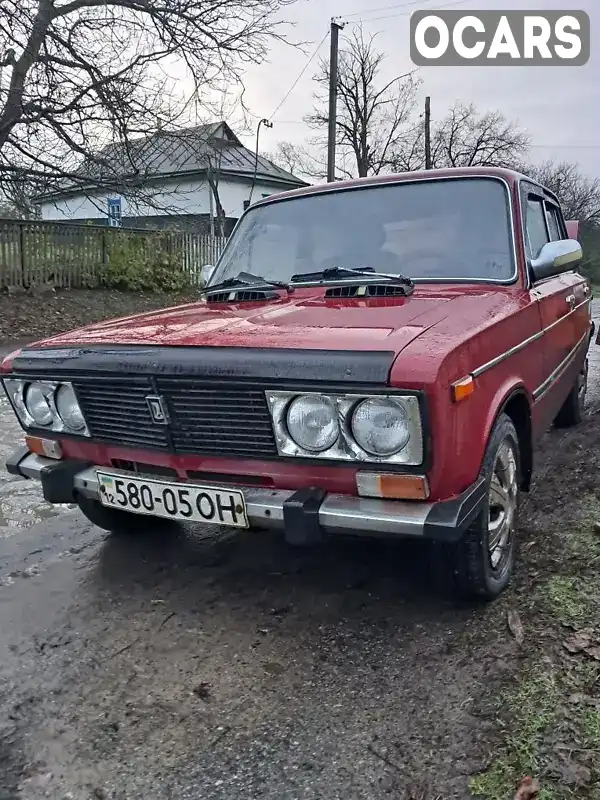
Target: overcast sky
{"type": "Point", "coordinates": [559, 106]}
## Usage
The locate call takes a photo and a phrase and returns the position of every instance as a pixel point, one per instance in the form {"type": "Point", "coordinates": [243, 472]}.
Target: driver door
{"type": "Point", "coordinates": [563, 308]}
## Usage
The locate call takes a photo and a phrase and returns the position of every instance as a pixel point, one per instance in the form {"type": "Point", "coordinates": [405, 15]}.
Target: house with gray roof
{"type": "Point", "coordinates": [199, 179]}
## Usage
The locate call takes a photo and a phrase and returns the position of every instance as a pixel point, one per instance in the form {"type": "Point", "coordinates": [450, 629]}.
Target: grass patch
{"type": "Point", "coordinates": [568, 599]}
{"type": "Point", "coordinates": [590, 728]}
{"type": "Point", "coordinates": [549, 722]}
{"type": "Point", "coordinates": [584, 675]}
{"type": "Point", "coordinates": [529, 715]}
{"type": "Point", "coordinates": [580, 537]}
{"type": "Point", "coordinates": [527, 712]}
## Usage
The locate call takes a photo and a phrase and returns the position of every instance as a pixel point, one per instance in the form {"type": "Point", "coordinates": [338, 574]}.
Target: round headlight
{"type": "Point", "coordinates": [37, 405]}
{"type": "Point", "coordinates": [68, 408]}
{"type": "Point", "coordinates": [380, 426]}
{"type": "Point", "coordinates": [313, 423]}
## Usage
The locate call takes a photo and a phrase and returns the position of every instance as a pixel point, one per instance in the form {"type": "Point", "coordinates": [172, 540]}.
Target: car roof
{"type": "Point", "coordinates": [508, 175]}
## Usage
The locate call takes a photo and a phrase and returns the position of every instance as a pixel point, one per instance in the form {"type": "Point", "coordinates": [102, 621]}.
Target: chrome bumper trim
{"type": "Point", "coordinates": [337, 513]}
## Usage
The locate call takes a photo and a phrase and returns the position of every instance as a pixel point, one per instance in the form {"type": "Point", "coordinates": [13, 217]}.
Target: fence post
{"type": "Point", "coordinates": [22, 249]}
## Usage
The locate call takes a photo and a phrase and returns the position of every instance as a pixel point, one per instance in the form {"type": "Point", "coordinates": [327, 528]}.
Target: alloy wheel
{"type": "Point", "coordinates": [503, 500]}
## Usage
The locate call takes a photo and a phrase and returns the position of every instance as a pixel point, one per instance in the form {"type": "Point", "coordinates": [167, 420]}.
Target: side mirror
{"type": "Point", "coordinates": [556, 258]}
{"type": "Point", "coordinates": [206, 273]}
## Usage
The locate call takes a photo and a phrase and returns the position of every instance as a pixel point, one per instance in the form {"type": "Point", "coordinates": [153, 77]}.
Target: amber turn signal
{"type": "Point", "coordinates": [462, 389]}
{"type": "Point", "coordinates": [392, 487]}
{"type": "Point", "coordinates": [44, 447]}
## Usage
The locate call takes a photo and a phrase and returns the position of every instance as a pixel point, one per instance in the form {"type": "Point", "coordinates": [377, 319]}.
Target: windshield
{"type": "Point", "coordinates": [441, 229]}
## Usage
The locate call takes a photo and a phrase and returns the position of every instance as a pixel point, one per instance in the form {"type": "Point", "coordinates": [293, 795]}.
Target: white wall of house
{"type": "Point", "coordinates": [184, 197]}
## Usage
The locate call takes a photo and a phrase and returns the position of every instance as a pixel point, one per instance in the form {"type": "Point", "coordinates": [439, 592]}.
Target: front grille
{"type": "Point", "coordinates": [144, 469]}
{"type": "Point", "coordinates": [115, 410]}
{"type": "Point", "coordinates": [213, 419]}
{"type": "Point", "coordinates": [206, 417]}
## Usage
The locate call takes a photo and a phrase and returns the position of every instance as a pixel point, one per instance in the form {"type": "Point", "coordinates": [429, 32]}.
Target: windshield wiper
{"type": "Point", "coordinates": [337, 273]}
{"type": "Point", "coordinates": [248, 281]}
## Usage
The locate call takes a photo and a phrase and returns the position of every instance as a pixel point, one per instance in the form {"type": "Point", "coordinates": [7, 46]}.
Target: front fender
{"type": "Point", "coordinates": [474, 419]}
{"type": "Point", "coordinates": [506, 391]}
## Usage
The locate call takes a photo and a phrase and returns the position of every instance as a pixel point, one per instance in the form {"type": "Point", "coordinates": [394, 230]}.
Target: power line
{"type": "Point", "coordinates": [569, 146]}
{"type": "Point", "coordinates": [534, 146]}
{"type": "Point", "coordinates": [383, 8]}
{"type": "Point", "coordinates": [405, 13]}
{"type": "Point", "coordinates": [304, 68]}
{"type": "Point", "coordinates": [433, 9]}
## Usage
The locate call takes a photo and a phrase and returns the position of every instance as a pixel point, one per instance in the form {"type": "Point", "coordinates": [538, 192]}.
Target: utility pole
{"type": "Point", "coordinates": [428, 133]}
{"type": "Point", "coordinates": [333, 85]}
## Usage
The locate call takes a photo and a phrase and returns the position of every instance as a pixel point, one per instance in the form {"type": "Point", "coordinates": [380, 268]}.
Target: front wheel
{"type": "Point", "coordinates": [483, 560]}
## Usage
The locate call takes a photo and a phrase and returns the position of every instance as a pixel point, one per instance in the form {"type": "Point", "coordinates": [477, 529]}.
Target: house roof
{"type": "Point", "coordinates": [191, 151]}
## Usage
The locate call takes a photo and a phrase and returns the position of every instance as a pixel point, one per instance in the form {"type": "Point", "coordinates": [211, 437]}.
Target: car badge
{"type": "Point", "coordinates": [157, 409]}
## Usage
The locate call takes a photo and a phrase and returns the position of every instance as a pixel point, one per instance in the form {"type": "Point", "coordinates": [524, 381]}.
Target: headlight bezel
{"type": "Point", "coordinates": [16, 389]}
{"type": "Point", "coordinates": [347, 449]}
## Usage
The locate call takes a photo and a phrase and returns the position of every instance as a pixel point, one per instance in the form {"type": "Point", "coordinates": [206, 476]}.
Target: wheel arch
{"type": "Point", "coordinates": [516, 403]}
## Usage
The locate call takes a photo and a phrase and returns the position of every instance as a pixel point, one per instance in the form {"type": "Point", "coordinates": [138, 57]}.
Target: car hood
{"type": "Point", "coordinates": [303, 320]}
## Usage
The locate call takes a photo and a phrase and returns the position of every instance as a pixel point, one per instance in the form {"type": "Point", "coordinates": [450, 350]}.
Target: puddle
{"type": "Point", "coordinates": [21, 501]}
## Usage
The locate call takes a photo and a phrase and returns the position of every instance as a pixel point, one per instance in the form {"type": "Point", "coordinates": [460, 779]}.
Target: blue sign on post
{"type": "Point", "coordinates": [114, 212]}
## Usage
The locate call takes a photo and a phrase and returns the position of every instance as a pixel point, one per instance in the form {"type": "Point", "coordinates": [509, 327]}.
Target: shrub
{"type": "Point", "coordinates": [148, 262]}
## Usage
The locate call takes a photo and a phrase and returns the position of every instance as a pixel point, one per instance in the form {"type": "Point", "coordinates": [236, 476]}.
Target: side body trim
{"type": "Point", "coordinates": [562, 367]}
{"type": "Point", "coordinates": [522, 345]}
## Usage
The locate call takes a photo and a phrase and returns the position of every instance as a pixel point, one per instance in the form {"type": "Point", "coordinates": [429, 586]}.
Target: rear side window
{"type": "Point", "coordinates": [537, 230]}
{"type": "Point", "coordinates": [554, 226]}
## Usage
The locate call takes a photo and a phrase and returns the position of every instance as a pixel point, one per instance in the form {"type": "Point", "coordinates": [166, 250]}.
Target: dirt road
{"type": "Point", "coordinates": [226, 667]}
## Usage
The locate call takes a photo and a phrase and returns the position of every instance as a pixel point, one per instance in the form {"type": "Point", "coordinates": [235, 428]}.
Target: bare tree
{"type": "Point", "coordinates": [298, 160]}
{"type": "Point", "coordinates": [372, 113]}
{"type": "Point", "coordinates": [578, 194]}
{"type": "Point", "coordinates": [78, 77]}
{"type": "Point", "coordinates": [288, 156]}
{"type": "Point", "coordinates": [17, 192]}
{"type": "Point", "coordinates": [214, 158]}
{"type": "Point", "coordinates": [464, 137]}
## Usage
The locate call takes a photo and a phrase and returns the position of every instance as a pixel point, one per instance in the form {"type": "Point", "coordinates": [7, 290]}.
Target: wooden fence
{"type": "Point", "coordinates": [73, 256]}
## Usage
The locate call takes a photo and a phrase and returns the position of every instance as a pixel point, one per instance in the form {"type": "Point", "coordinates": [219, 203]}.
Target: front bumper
{"type": "Point", "coordinates": [305, 516]}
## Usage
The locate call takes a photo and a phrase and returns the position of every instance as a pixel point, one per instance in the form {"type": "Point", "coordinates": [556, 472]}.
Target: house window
{"type": "Point", "coordinates": [114, 212]}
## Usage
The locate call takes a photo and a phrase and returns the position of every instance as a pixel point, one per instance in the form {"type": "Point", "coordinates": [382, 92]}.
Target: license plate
{"type": "Point", "coordinates": [180, 501]}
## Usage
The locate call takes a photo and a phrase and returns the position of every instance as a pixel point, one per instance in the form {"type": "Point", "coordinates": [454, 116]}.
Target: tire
{"type": "Point", "coordinates": [572, 410]}
{"type": "Point", "coordinates": [120, 523]}
{"type": "Point", "coordinates": [483, 560]}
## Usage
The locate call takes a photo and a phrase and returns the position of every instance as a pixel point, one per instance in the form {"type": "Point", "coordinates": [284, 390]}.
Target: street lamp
{"type": "Point", "coordinates": [267, 124]}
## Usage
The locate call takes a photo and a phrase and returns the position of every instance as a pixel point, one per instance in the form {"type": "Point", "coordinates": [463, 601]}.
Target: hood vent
{"type": "Point", "coordinates": [375, 290]}
{"type": "Point", "coordinates": [241, 296]}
